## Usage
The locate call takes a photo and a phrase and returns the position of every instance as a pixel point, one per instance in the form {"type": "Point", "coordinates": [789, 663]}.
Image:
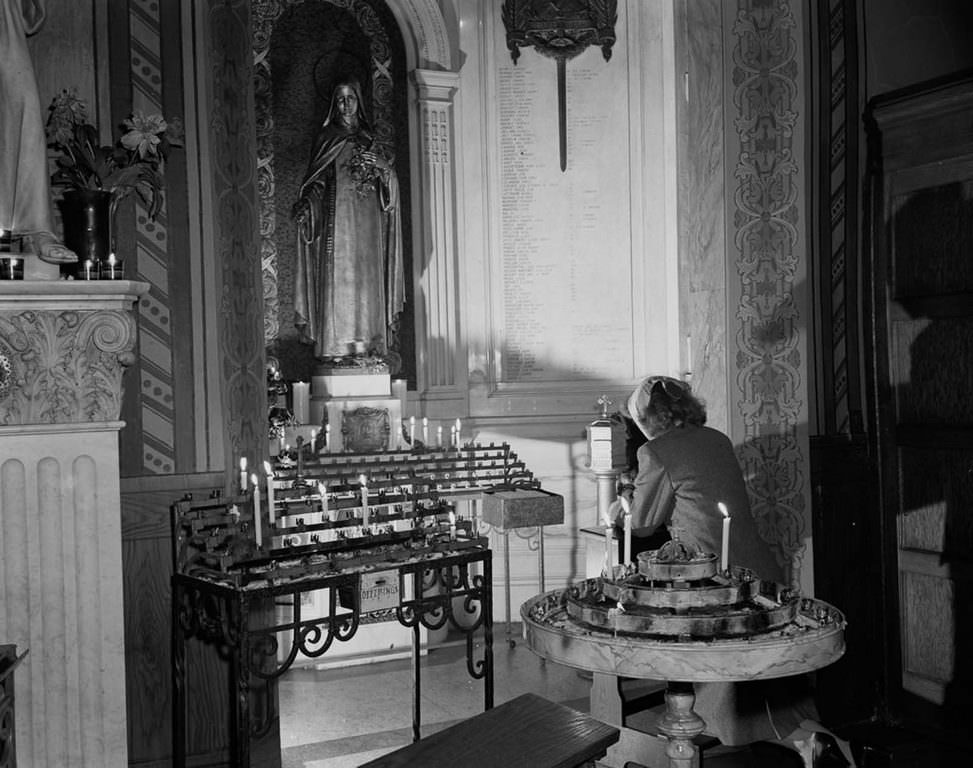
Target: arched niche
{"type": "Point", "coordinates": [426, 83]}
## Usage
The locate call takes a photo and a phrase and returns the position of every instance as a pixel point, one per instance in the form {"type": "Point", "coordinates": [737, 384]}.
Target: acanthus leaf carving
{"type": "Point", "coordinates": [64, 367]}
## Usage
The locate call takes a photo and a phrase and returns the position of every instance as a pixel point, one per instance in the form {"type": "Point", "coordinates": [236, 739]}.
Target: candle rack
{"type": "Point", "coordinates": [398, 543]}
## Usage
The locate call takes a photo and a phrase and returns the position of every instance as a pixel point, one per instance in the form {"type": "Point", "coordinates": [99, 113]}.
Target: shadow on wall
{"type": "Point", "coordinates": [931, 366]}
{"type": "Point", "coordinates": [774, 455]}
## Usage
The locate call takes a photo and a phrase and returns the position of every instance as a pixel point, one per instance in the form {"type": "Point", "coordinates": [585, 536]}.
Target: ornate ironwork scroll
{"type": "Point", "coordinates": [560, 30]}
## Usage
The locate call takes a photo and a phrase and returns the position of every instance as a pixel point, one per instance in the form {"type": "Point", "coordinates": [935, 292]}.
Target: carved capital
{"type": "Point", "coordinates": [64, 364]}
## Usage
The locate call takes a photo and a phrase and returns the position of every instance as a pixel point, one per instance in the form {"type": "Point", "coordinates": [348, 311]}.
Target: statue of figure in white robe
{"type": "Point", "coordinates": [25, 198]}
{"type": "Point", "coordinates": [349, 284]}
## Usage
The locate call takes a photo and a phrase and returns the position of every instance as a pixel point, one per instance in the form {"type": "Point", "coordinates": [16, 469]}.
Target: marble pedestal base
{"type": "Point", "coordinates": [61, 591]}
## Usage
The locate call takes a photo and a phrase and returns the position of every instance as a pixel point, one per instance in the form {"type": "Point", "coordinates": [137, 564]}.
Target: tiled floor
{"type": "Point", "coordinates": [341, 718]}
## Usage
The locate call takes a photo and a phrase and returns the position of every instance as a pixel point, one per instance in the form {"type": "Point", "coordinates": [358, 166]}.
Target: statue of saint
{"type": "Point", "coordinates": [25, 199]}
{"type": "Point", "coordinates": [349, 283]}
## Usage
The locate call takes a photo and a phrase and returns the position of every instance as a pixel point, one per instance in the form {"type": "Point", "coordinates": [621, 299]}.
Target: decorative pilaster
{"type": "Point", "coordinates": [437, 339]}
{"type": "Point", "coordinates": [63, 348]}
{"type": "Point", "coordinates": [766, 199]}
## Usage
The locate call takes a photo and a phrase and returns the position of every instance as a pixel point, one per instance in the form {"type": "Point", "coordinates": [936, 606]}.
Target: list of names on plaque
{"type": "Point", "coordinates": [565, 236]}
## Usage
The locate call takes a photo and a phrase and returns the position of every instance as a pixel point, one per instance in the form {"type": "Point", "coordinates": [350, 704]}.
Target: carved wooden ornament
{"type": "Point", "coordinates": [560, 29]}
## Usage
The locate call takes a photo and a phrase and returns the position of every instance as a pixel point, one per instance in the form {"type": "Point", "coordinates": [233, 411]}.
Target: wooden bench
{"type": "Point", "coordinates": [526, 732]}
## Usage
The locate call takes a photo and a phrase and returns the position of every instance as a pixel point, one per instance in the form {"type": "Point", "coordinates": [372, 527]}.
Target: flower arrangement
{"type": "Point", "coordinates": [365, 174]}
{"type": "Point", "coordinates": [135, 163]}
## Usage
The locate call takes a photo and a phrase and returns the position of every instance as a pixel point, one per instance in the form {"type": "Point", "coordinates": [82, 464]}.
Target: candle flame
{"type": "Point", "coordinates": [268, 469]}
{"type": "Point", "coordinates": [363, 480]}
{"type": "Point", "coordinates": [322, 487]}
{"type": "Point", "coordinates": [243, 463]}
{"type": "Point", "coordinates": [254, 479]}
{"type": "Point", "coordinates": [723, 510]}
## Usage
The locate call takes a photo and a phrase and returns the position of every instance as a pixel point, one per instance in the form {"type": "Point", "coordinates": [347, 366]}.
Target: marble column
{"type": "Point", "coordinates": [437, 342]}
{"type": "Point", "coordinates": [63, 349]}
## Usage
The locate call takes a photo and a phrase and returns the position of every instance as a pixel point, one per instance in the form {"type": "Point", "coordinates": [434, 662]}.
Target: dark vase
{"type": "Point", "coordinates": [86, 216]}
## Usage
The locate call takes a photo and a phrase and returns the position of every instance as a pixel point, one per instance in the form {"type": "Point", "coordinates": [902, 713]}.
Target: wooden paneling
{"type": "Point", "coordinates": [146, 570]}
{"type": "Point", "coordinates": [921, 287]}
{"type": "Point", "coordinates": [846, 559]}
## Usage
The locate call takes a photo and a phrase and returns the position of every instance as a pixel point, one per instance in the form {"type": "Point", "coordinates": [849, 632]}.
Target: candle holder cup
{"type": "Point", "coordinates": [11, 268]}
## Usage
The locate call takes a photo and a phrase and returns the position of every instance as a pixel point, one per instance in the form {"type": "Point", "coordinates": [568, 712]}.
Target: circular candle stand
{"type": "Point", "coordinates": [676, 617]}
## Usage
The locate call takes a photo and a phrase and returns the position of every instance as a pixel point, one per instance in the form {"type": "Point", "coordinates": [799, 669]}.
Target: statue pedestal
{"type": "Point", "coordinates": [63, 348]}
{"type": "Point", "coordinates": [359, 407]}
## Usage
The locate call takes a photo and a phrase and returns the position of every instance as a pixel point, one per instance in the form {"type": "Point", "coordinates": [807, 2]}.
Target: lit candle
{"type": "Point", "coordinates": [453, 438]}
{"type": "Point", "coordinates": [270, 493]}
{"type": "Point", "coordinates": [327, 437]}
{"type": "Point", "coordinates": [364, 501]}
{"type": "Point", "coordinates": [627, 547]}
{"type": "Point", "coordinates": [458, 430]}
{"type": "Point", "coordinates": [87, 270]}
{"type": "Point", "coordinates": [425, 430]}
{"type": "Point", "coordinates": [725, 552]}
{"type": "Point", "coordinates": [314, 440]}
{"type": "Point", "coordinates": [256, 510]}
{"type": "Point", "coordinates": [452, 526]}
{"type": "Point", "coordinates": [243, 474]}
{"type": "Point", "coordinates": [439, 436]}
{"type": "Point", "coordinates": [412, 430]}
{"type": "Point", "coordinates": [607, 571]}
{"type": "Point", "coordinates": [323, 492]}
{"type": "Point", "coordinates": [111, 266]}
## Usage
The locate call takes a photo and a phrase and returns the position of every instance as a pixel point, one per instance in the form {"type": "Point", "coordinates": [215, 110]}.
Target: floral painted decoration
{"type": "Point", "coordinates": [135, 163]}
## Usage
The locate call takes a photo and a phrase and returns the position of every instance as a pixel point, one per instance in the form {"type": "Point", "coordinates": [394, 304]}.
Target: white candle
{"type": "Point", "coordinates": [87, 270]}
{"type": "Point", "coordinates": [271, 510]}
{"type": "Point", "coordinates": [256, 510]}
{"type": "Point", "coordinates": [399, 389]}
{"type": "Point", "coordinates": [439, 435]}
{"type": "Point", "coordinates": [607, 571]}
{"type": "Point", "coordinates": [627, 547]}
{"type": "Point", "coordinates": [327, 438]}
{"type": "Point", "coordinates": [302, 401]}
{"type": "Point", "coordinates": [452, 526]}
{"type": "Point", "coordinates": [725, 551]}
{"type": "Point", "coordinates": [412, 430]}
{"type": "Point", "coordinates": [364, 501]}
{"type": "Point", "coordinates": [323, 492]}
{"type": "Point", "coordinates": [458, 430]}
{"type": "Point", "coordinates": [314, 440]}
{"type": "Point", "coordinates": [453, 438]}
{"type": "Point", "coordinates": [243, 474]}
{"type": "Point", "coordinates": [425, 430]}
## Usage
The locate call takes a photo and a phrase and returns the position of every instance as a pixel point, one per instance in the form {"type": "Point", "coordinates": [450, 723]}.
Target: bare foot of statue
{"type": "Point", "coordinates": [48, 249]}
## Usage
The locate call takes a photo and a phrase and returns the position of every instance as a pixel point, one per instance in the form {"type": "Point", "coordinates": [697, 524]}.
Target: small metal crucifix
{"type": "Point", "coordinates": [560, 29]}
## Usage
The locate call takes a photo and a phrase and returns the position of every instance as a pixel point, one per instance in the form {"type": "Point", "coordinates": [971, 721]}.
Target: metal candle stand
{"type": "Point", "coordinates": [330, 531]}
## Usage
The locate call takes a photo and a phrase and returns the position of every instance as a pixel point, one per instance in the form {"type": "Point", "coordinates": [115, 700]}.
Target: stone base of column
{"type": "Point", "coordinates": [61, 591]}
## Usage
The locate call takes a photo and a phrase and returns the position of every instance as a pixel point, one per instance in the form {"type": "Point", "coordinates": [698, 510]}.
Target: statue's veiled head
{"type": "Point", "coordinates": [347, 105]}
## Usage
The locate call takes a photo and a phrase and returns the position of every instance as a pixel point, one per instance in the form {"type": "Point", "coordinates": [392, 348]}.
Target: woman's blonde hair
{"type": "Point", "coordinates": [664, 403]}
